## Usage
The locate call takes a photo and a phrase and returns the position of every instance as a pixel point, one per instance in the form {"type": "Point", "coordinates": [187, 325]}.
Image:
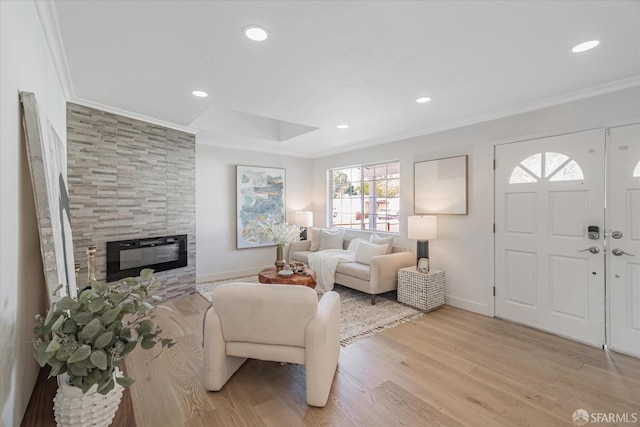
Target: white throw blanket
{"type": "Point", "coordinates": [324, 263]}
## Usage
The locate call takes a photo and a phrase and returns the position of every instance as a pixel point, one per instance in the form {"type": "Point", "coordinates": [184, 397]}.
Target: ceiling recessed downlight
{"type": "Point", "coordinates": [199, 93]}
{"type": "Point", "coordinates": [423, 99]}
{"type": "Point", "coordinates": [583, 47]}
{"type": "Point", "coordinates": [257, 34]}
{"type": "Point", "coordinates": [343, 126]}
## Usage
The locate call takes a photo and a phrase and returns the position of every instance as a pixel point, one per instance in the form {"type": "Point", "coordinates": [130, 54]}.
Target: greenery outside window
{"type": "Point", "coordinates": [366, 197]}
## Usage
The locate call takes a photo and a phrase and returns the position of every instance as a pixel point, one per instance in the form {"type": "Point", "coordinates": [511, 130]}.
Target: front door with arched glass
{"type": "Point", "coordinates": [549, 274]}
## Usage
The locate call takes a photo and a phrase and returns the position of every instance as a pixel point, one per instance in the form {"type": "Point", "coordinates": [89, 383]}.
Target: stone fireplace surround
{"type": "Point", "coordinates": [130, 179]}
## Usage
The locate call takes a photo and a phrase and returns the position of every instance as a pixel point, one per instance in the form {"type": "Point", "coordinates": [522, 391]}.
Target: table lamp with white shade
{"type": "Point", "coordinates": [423, 229]}
{"type": "Point", "coordinates": [303, 220]}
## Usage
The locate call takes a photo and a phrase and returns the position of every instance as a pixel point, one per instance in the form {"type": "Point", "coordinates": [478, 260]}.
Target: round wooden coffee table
{"type": "Point", "coordinates": [270, 275]}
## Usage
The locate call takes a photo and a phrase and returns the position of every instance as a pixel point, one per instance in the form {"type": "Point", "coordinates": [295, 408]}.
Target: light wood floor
{"type": "Point", "coordinates": [449, 367]}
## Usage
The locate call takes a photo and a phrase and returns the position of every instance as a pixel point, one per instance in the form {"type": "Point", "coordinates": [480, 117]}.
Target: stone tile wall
{"type": "Point", "coordinates": [130, 179]}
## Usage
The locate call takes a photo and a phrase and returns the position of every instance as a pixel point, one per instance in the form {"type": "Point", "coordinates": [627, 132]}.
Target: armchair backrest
{"type": "Point", "coordinates": [265, 313]}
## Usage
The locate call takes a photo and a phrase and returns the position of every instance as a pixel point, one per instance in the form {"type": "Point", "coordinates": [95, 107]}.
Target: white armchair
{"type": "Point", "coordinates": [280, 323]}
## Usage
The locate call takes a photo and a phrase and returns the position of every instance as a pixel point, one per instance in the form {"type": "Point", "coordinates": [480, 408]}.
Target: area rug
{"type": "Point", "coordinates": [358, 318]}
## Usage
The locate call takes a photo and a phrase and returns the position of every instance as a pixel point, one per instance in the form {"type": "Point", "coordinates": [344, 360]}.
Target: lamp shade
{"type": "Point", "coordinates": [422, 227]}
{"type": "Point", "coordinates": [304, 219]}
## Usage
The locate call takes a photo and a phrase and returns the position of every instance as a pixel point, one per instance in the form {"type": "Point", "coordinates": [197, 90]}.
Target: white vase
{"type": "Point", "coordinates": [72, 408]}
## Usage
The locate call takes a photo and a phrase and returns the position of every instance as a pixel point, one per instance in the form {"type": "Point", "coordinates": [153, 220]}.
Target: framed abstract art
{"type": "Point", "coordinates": [260, 195]}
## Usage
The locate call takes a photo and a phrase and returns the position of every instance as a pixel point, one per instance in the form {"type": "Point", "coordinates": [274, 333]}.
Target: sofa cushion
{"type": "Point", "coordinates": [381, 240]}
{"type": "Point", "coordinates": [315, 239]}
{"type": "Point", "coordinates": [353, 244]}
{"type": "Point", "coordinates": [365, 251]}
{"type": "Point", "coordinates": [360, 271]}
{"type": "Point", "coordinates": [301, 256]}
{"type": "Point", "coordinates": [331, 239]}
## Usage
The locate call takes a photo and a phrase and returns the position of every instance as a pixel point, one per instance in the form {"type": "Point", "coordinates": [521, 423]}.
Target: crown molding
{"type": "Point", "coordinates": [560, 99]}
{"type": "Point", "coordinates": [129, 114]}
{"type": "Point", "coordinates": [49, 20]}
{"type": "Point", "coordinates": [524, 108]}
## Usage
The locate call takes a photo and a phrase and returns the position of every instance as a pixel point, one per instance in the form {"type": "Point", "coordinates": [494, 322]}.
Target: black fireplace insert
{"type": "Point", "coordinates": [127, 258]}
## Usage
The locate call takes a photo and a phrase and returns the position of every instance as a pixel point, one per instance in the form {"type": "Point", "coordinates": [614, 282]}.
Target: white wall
{"type": "Point", "coordinates": [216, 253]}
{"type": "Point", "coordinates": [464, 248]}
{"type": "Point", "coordinates": [26, 66]}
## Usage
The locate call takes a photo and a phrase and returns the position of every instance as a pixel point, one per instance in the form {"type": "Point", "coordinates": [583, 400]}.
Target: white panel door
{"type": "Point", "coordinates": [547, 193]}
{"type": "Point", "coordinates": [624, 239]}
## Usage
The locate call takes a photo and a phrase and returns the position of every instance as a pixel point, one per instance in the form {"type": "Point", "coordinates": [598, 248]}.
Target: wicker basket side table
{"type": "Point", "coordinates": [424, 291]}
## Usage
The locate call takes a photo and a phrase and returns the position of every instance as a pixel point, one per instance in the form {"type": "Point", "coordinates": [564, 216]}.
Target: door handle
{"type": "Point", "coordinates": [620, 252]}
{"type": "Point", "coordinates": [592, 249]}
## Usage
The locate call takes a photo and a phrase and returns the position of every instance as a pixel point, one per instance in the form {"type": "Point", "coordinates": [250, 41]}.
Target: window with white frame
{"type": "Point", "coordinates": [366, 197]}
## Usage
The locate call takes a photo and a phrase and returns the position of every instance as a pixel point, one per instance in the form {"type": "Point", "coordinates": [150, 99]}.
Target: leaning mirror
{"type": "Point", "coordinates": [48, 166]}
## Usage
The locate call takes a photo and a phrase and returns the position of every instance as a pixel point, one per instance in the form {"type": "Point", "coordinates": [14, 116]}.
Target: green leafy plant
{"type": "Point", "coordinates": [89, 336]}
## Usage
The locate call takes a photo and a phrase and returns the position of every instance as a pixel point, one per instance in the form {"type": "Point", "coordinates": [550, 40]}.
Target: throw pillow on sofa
{"type": "Point", "coordinates": [315, 239]}
{"type": "Point", "coordinates": [365, 251]}
{"type": "Point", "coordinates": [331, 239]}
{"type": "Point", "coordinates": [379, 240]}
{"type": "Point", "coordinates": [353, 244]}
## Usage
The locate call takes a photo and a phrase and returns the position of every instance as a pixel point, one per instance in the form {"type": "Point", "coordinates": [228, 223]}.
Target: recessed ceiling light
{"type": "Point", "coordinates": [257, 34]}
{"type": "Point", "coordinates": [423, 99]}
{"type": "Point", "coordinates": [343, 126]}
{"type": "Point", "coordinates": [583, 47]}
{"type": "Point", "coordinates": [199, 94]}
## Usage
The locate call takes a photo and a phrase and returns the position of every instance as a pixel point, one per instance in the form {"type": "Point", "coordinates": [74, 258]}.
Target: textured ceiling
{"type": "Point", "coordinates": [329, 62]}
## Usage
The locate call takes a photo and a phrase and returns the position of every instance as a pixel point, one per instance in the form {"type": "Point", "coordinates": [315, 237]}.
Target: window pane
{"type": "Point", "coordinates": [368, 172]}
{"type": "Point", "coordinates": [381, 207]}
{"type": "Point", "coordinates": [393, 187]}
{"type": "Point", "coordinates": [393, 208]}
{"type": "Point", "coordinates": [366, 189]}
{"type": "Point", "coordinates": [393, 170]}
{"type": "Point", "coordinates": [570, 172]}
{"type": "Point", "coordinates": [553, 161]}
{"type": "Point", "coordinates": [356, 174]}
{"type": "Point", "coordinates": [534, 164]}
{"type": "Point", "coordinates": [340, 183]}
{"type": "Point", "coordinates": [520, 176]}
{"type": "Point", "coordinates": [380, 171]}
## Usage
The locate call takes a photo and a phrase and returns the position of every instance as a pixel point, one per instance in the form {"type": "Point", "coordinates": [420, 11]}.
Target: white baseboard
{"type": "Point", "coordinates": [467, 305]}
{"type": "Point", "coordinates": [464, 304]}
{"type": "Point", "coordinates": [223, 275]}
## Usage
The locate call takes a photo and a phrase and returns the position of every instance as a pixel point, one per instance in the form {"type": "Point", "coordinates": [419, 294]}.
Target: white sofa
{"type": "Point", "coordinates": [280, 323]}
{"type": "Point", "coordinates": [378, 277]}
